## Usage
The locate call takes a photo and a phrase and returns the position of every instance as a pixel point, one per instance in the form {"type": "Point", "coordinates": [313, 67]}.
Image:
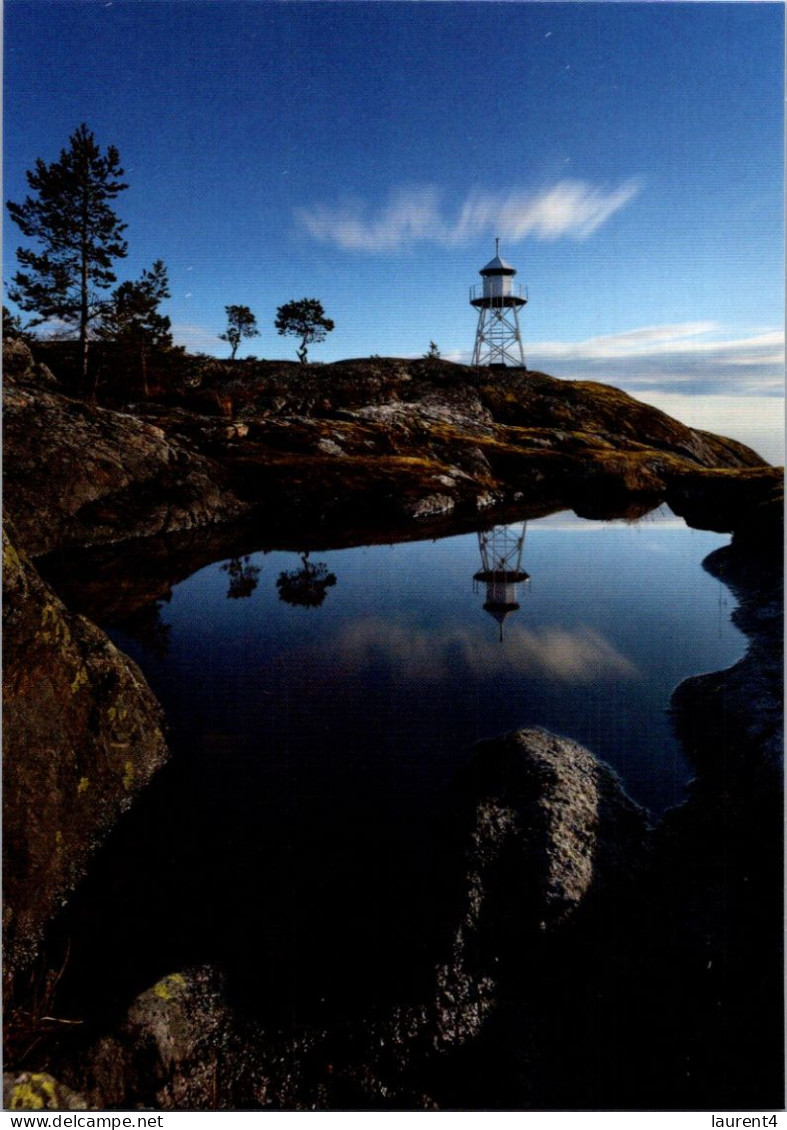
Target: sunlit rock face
{"type": "Point", "coordinates": [363, 443]}
{"type": "Point", "coordinates": [82, 734]}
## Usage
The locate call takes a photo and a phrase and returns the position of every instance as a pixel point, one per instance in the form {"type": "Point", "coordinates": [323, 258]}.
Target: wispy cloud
{"type": "Point", "coordinates": [686, 339]}
{"type": "Point", "coordinates": [569, 209]}
{"type": "Point", "coordinates": [636, 342]}
{"type": "Point", "coordinates": [692, 357]}
{"type": "Point", "coordinates": [687, 357]}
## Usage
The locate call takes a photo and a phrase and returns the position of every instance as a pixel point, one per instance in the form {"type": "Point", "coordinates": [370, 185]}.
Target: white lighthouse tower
{"type": "Point", "coordinates": [498, 300]}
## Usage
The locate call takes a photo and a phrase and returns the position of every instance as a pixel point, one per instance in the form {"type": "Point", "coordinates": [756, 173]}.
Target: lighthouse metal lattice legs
{"type": "Point", "coordinates": [498, 340]}
{"type": "Point", "coordinates": [501, 549]}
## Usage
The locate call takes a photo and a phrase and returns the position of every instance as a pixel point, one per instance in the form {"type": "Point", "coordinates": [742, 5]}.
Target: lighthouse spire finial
{"type": "Point", "coordinates": [497, 245]}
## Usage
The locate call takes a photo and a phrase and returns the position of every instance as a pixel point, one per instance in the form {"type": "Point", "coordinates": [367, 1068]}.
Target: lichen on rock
{"type": "Point", "coordinates": [82, 733]}
{"type": "Point", "coordinates": [30, 1090]}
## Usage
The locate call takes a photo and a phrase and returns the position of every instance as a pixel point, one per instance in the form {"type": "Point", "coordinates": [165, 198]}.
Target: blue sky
{"type": "Point", "coordinates": [629, 156]}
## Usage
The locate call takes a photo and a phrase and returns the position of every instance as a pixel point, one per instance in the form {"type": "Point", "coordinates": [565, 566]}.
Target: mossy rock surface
{"type": "Point", "coordinates": [82, 734]}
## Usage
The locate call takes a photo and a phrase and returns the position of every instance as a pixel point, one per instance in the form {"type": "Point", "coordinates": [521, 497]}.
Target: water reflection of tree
{"type": "Point", "coordinates": [244, 577]}
{"type": "Point", "coordinates": [306, 586]}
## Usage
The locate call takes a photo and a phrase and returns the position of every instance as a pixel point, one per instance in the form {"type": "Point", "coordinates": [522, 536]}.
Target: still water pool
{"type": "Point", "coordinates": [318, 707]}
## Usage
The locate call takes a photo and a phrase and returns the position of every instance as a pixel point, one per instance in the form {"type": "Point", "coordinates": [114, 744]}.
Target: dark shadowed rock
{"type": "Point", "coordinates": [82, 734]}
{"type": "Point", "coordinates": [170, 1053]}
{"type": "Point", "coordinates": [731, 721]}
{"type": "Point", "coordinates": [748, 502]}
{"type": "Point", "coordinates": [19, 364]}
{"type": "Point", "coordinates": [76, 474]}
{"type": "Point", "coordinates": [17, 358]}
{"type": "Point", "coordinates": [716, 884]}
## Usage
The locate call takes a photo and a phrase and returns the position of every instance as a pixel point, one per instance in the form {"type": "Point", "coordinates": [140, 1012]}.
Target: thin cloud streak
{"type": "Point", "coordinates": [570, 209]}
{"type": "Point", "coordinates": [700, 358]}
{"type": "Point", "coordinates": [658, 341]}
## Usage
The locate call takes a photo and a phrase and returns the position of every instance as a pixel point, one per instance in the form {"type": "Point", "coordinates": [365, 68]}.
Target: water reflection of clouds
{"type": "Point", "coordinates": [579, 655]}
{"type": "Point", "coordinates": [661, 548]}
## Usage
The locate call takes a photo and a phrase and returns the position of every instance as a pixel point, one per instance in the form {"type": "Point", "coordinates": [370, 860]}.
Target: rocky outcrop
{"type": "Point", "coordinates": [577, 935]}
{"type": "Point", "coordinates": [359, 444]}
{"type": "Point", "coordinates": [172, 1052]}
{"type": "Point", "coordinates": [567, 920]}
{"type": "Point", "coordinates": [82, 734]}
{"type": "Point", "coordinates": [546, 846]}
{"type": "Point", "coordinates": [76, 474]}
{"type": "Point", "coordinates": [714, 890]}
{"type": "Point", "coordinates": [19, 364]}
{"type": "Point", "coordinates": [549, 828]}
{"type": "Point", "coordinates": [748, 503]}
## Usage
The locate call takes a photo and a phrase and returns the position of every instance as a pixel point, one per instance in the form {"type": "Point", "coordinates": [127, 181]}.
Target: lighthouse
{"type": "Point", "coordinates": [498, 299]}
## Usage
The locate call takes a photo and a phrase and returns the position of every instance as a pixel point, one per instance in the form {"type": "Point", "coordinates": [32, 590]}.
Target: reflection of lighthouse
{"type": "Point", "coordinates": [501, 569]}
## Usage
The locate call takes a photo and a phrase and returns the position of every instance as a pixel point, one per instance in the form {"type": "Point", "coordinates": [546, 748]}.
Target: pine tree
{"type": "Point", "coordinates": [132, 320]}
{"type": "Point", "coordinates": [71, 219]}
{"type": "Point", "coordinates": [13, 329]}
{"type": "Point", "coordinates": [240, 323]}
{"type": "Point", "coordinates": [304, 319]}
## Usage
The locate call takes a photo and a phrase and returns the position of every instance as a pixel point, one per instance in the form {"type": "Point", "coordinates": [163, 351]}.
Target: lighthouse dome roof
{"type": "Point", "coordinates": [498, 266]}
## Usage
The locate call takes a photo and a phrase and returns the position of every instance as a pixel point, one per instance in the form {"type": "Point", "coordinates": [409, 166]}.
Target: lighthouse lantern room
{"type": "Point", "coordinates": [498, 299]}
